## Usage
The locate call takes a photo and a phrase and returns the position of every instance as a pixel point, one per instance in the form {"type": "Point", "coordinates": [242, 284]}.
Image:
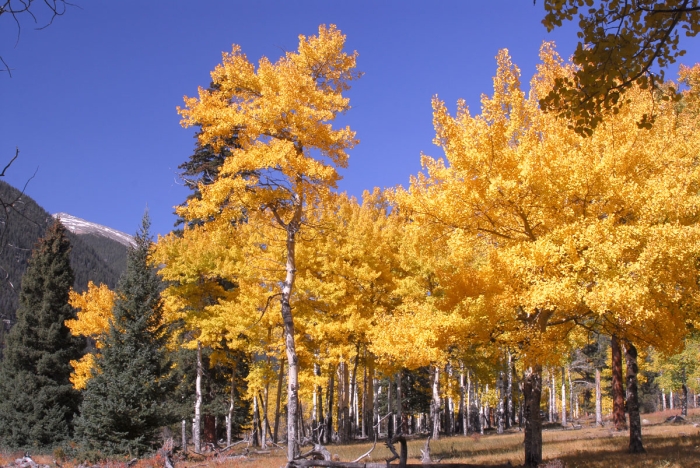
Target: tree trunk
{"type": "Point", "coordinates": [633, 400]}
{"type": "Point", "coordinates": [375, 405]}
{"type": "Point", "coordinates": [563, 398]}
{"type": "Point", "coordinates": [571, 394]}
{"type": "Point", "coordinates": [184, 436]}
{"type": "Point", "coordinates": [197, 422]}
{"type": "Point", "coordinates": [287, 319]}
{"type": "Point", "coordinates": [684, 395]}
{"type": "Point", "coordinates": [256, 422]}
{"type": "Point", "coordinates": [343, 397]}
{"type": "Point", "coordinates": [364, 398]}
{"type": "Point", "coordinates": [352, 419]}
{"type": "Point", "coordinates": [264, 423]}
{"type": "Point", "coordinates": [314, 408]}
{"type": "Point", "coordinates": [400, 429]}
{"type": "Point", "coordinates": [280, 379]}
{"type": "Point", "coordinates": [671, 400]}
{"type": "Point", "coordinates": [598, 400]}
{"type": "Point", "coordinates": [552, 396]}
{"type": "Point", "coordinates": [510, 410]}
{"type": "Point", "coordinates": [300, 423]}
{"type": "Point", "coordinates": [617, 390]}
{"type": "Point", "coordinates": [663, 399]}
{"type": "Point", "coordinates": [231, 407]}
{"type": "Point", "coordinates": [532, 393]}
{"type": "Point", "coordinates": [370, 412]}
{"type": "Point", "coordinates": [500, 410]}
{"type": "Point", "coordinates": [469, 403]}
{"type": "Point", "coordinates": [463, 401]}
{"type": "Point", "coordinates": [435, 403]}
{"type": "Point", "coordinates": [329, 413]}
{"type": "Point", "coordinates": [319, 416]}
{"type": "Point", "coordinates": [389, 411]}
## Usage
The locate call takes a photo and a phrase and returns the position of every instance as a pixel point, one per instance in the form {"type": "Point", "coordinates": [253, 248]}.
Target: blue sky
{"type": "Point", "coordinates": [92, 99]}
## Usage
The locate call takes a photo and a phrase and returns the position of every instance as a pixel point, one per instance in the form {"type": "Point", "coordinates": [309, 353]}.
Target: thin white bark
{"type": "Point", "coordinates": [598, 400]}
{"type": "Point", "coordinates": [229, 416]}
{"type": "Point", "coordinates": [435, 404]}
{"type": "Point", "coordinates": [184, 436]}
{"type": "Point", "coordinates": [197, 422]}
{"type": "Point", "coordinates": [563, 398]}
{"type": "Point", "coordinates": [399, 410]}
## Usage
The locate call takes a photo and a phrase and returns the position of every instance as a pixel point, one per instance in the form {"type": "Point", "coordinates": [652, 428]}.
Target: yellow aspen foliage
{"type": "Point", "coordinates": [564, 230]}
{"type": "Point", "coordinates": [82, 371]}
{"type": "Point", "coordinates": [94, 312]}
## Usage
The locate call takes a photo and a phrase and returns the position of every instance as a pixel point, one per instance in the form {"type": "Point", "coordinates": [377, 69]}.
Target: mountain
{"type": "Point", "coordinates": [81, 227]}
{"type": "Point", "coordinates": [98, 253]}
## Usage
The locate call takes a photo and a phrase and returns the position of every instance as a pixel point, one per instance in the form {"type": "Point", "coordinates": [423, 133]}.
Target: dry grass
{"type": "Point", "coordinates": [667, 445]}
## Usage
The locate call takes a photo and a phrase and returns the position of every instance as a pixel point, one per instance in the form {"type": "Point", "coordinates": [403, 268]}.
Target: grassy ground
{"type": "Point", "coordinates": [667, 445]}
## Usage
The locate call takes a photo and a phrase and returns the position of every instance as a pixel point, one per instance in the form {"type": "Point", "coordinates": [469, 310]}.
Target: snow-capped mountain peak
{"type": "Point", "coordinates": [80, 226]}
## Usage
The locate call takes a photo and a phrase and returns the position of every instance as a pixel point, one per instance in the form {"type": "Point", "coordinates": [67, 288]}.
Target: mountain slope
{"type": "Point", "coordinates": [94, 257]}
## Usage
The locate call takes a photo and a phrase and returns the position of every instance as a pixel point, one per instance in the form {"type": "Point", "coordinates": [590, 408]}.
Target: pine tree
{"type": "Point", "coordinates": [37, 400]}
{"type": "Point", "coordinates": [124, 403]}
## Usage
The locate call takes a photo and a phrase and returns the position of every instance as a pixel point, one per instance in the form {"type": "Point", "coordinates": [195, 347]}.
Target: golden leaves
{"type": "Point", "coordinates": [598, 231]}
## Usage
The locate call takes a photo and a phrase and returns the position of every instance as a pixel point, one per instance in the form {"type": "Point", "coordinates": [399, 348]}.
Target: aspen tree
{"type": "Point", "coordinates": [562, 230]}
{"type": "Point", "coordinates": [94, 312]}
{"type": "Point", "coordinates": [289, 151]}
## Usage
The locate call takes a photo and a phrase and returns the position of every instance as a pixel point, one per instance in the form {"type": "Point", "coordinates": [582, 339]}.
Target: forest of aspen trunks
{"type": "Point", "coordinates": [534, 274]}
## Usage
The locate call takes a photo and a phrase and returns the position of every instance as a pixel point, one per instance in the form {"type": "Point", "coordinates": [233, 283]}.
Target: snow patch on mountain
{"type": "Point", "coordinates": [80, 226]}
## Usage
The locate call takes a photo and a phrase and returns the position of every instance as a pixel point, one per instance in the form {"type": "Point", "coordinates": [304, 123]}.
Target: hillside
{"type": "Point", "coordinates": [94, 257]}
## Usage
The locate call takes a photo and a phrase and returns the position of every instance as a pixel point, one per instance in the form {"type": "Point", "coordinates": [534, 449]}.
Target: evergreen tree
{"type": "Point", "coordinates": [37, 400]}
{"type": "Point", "coordinates": [124, 403]}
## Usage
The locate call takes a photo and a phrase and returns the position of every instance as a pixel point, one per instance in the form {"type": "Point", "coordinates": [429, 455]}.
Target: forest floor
{"type": "Point", "coordinates": [667, 445]}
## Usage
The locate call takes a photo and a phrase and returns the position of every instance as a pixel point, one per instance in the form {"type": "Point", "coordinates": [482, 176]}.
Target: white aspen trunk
{"type": "Point", "coordinates": [356, 409]}
{"type": "Point", "coordinates": [663, 399]}
{"type": "Point", "coordinates": [375, 409]}
{"type": "Point", "coordinates": [598, 400]}
{"type": "Point", "coordinates": [670, 399]}
{"type": "Point", "coordinates": [463, 403]}
{"type": "Point", "coordinates": [571, 393]}
{"type": "Point", "coordinates": [482, 419]}
{"type": "Point", "coordinates": [288, 321]}
{"type": "Point", "coordinates": [197, 421]}
{"type": "Point", "coordinates": [314, 406]}
{"type": "Point", "coordinates": [390, 411]}
{"type": "Point", "coordinates": [354, 417]}
{"type": "Point", "coordinates": [400, 429]}
{"type": "Point", "coordinates": [552, 396]}
{"type": "Point", "coordinates": [264, 402]}
{"type": "Point", "coordinates": [449, 404]}
{"type": "Point", "coordinates": [563, 398]}
{"type": "Point", "coordinates": [469, 403]}
{"type": "Point", "coordinates": [346, 404]}
{"type": "Point", "coordinates": [500, 410]}
{"type": "Point", "coordinates": [184, 436]}
{"type": "Point", "coordinates": [510, 417]}
{"type": "Point", "coordinates": [365, 395]}
{"type": "Point", "coordinates": [435, 404]}
{"type": "Point", "coordinates": [229, 416]}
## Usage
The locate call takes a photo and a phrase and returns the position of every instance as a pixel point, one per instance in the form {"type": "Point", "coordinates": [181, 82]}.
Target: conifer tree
{"type": "Point", "coordinates": [125, 401]}
{"type": "Point", "coordinates": [37, 400]}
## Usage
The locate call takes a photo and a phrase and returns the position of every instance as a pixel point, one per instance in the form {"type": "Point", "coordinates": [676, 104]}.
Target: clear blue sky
{"type": "Point", "coordinates": [91, 102]}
